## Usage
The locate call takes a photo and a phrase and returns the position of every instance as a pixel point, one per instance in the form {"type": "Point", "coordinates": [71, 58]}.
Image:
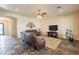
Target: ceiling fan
{"type": "Point", "coordinates": [40, 14]}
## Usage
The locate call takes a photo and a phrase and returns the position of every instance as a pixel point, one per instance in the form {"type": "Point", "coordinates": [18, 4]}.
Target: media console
{"type": "Point", "coordinates": [53, 31]}
{"type": "Point", "coordinates": [53, 34]}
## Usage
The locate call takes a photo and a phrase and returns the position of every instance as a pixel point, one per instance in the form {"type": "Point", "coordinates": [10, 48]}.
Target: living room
{"type": "Point", "coordinates": [19, 18]}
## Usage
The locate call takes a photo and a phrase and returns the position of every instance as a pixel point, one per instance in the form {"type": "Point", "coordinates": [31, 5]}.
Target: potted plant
{"type": "Point", "coordinates": [69, 35]}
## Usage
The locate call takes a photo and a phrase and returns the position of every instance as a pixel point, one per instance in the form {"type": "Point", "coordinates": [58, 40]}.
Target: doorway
{"type": "Point", "coordinates": [1, 29]}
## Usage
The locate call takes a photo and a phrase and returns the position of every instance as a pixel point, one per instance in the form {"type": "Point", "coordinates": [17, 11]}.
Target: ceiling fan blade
{"type": "Point", "coordinates": [44, 13]}
{"type": "Point", "coordinates": [40, 14]}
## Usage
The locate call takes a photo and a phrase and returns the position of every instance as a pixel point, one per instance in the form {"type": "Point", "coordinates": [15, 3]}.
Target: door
{"type": "Point", "coordinates": [1, 29]}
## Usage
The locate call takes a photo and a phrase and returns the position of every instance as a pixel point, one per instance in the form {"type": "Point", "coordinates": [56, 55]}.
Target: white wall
{"type": "Point", "coordinates": [22, 22]}
{"type": "Point", "coordinates": [68, 21]}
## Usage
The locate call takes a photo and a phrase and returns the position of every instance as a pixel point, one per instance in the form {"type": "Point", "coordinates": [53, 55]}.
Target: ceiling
{"type": "Point", "coordinates": [30, 10]}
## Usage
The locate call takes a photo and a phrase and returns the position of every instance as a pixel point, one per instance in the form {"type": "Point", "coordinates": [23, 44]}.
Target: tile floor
{"type": "Point", "coordinates": [13, 46]}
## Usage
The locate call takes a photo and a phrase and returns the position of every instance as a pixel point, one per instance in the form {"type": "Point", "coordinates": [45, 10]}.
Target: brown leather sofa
{"type": "Point", "coordinates": [36, 42]}
{"type": "Point", "coordinates": [34, 31]}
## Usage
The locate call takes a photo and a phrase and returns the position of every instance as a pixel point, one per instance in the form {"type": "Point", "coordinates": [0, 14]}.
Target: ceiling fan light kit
{"type": "Point", "coordinates": [39, 17]}
{"type": "Point", "coordinates": [40, 14]}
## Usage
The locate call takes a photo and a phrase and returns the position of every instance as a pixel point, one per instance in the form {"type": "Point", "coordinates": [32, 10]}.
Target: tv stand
{"type": "Point", "coordinates": [53, 31]}
{"type": "Point", "coordinates": [53, 34]}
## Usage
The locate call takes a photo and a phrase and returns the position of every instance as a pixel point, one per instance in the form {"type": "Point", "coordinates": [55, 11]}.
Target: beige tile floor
{"type": "Point", "coordinates": [9, 45]}
{"type": "Point", "coordinates": [13, 46]}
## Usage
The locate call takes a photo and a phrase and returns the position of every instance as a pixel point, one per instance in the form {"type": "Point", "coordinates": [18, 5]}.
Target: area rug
{"type": "Point", "coordinates": [52, 43]}
{"type": "Point", "coordinates": [50, 49]}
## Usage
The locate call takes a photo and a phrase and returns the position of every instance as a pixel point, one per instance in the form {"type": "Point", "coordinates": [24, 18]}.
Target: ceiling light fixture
{"type": "Point", "coordinates": [16, 9]}
{"type": "Point", "coordinates": [40, 14]}
{"type": "Point", "coordinates": [60, 9]}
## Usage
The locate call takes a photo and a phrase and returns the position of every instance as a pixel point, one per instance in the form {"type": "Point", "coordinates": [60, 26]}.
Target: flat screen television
{"type": "Point", "coordinates": [53, 27]}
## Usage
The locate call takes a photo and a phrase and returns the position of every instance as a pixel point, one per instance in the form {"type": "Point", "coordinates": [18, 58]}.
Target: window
{"type": "Point", "coordinates": [1, 28]}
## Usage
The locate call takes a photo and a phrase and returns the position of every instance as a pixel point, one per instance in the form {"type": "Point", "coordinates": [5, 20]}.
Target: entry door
{"type": "Point", "coordinates": [1, 29]}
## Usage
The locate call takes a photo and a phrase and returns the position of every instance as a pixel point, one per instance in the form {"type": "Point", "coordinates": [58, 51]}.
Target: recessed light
{"type": "Point", "coordinates": [61, 10]}
{"type": "Point", "coordinates": [59, 7]}
{"type": "Point", "coordinates": [16, 9]}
